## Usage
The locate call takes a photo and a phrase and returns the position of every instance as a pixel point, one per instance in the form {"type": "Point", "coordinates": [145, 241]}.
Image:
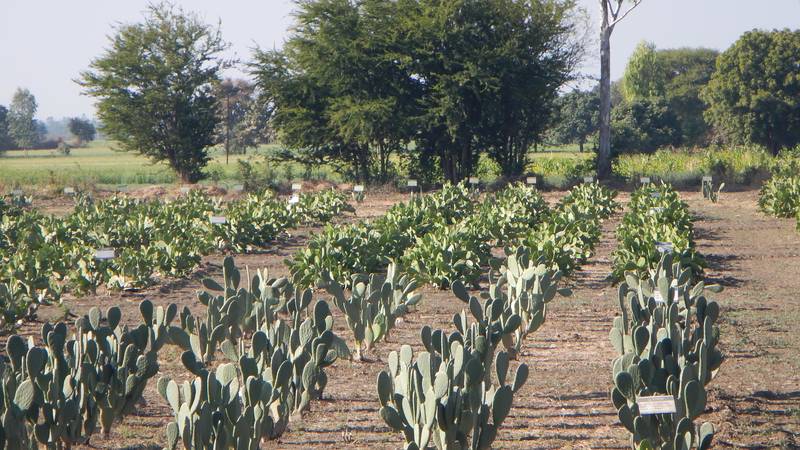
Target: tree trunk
{"type": "Point", "coordinates": [604, 151]}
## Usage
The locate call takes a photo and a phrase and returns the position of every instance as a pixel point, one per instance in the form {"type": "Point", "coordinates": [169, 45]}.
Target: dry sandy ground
{"type": "Point", "coordinates": [754, 401]}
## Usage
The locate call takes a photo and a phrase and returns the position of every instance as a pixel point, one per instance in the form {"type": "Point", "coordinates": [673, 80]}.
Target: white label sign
{"type": "Point", "coordinates": [17, 193]}
{"type": "Point", "coordinates": [218, 220]}
{"type": "Point", "coordinates": [474, 180]}
{"type": "Point", "coordinates": [297, 186]}
{"type": "Point", "coordinates": [588, 179]}
{"type": "Point", "coordinates": [655, 195]}
{"type": "Point", "coordinates": [664, 247]}
{"type": "Point", "coordinates": [294, 200]}
{"type": "Point", "coordinates": [657, 296]}
{"type": "Point", "coordinates": [530, 180]}
{"type": "Point", "coordinates": [69, 191]}
{"type": "Point", "coordinates": [358, 188]}
{"type": "Point", "coordinates": [706, 178]}
{"type": "Point", "coordinates": [657, 404]}
{"type": "Point", "coordinates": [657, 210]}
{"type": "Point", "coordinates": [185, 190]}
{"type": "Point", "coordinates": [412, 183]}
{"type": "Point", "coordinates": [105, 253]}
{"type": "Point", "coordinates": [645, 180]}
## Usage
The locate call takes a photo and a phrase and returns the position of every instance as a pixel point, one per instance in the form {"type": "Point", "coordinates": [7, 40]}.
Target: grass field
{"type": "Point", "coordinates": [100, 165]}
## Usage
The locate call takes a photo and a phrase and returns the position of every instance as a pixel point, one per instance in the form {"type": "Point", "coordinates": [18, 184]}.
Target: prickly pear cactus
{"type": "Point", "coordinates": [666, 339]}
{"type": "Point", "coordinates": [59, 391]}
{"type": "Point", "coordinates": [528, 286]}
{"type": "Point", "coordinates": [374, 304]}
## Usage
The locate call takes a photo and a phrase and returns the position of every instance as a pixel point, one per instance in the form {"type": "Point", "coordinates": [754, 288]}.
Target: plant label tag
{"type": "Point", "coordinates": [238, 188]}
{"type": "Point", "coordinates": [530, 180]}
{"type": "Point", "coordinates": [122, 188]}
{"type": "Point", "coordinates": [588, 179]}
{"type": "Point", "coordinates": [104, 254]}
{"type": "Point", "coordinates": [185, 190]}
{"type": "Point", "coordinates": [664, 247]}
{"type": "Point", "coordinates": [657, 296]}
{"type": "Point", "coordinates": [657, 404]}
{"type": "Point", "coordinates": [358, 188]}
{"type": "Point", "coordinates": [297, 186]}
{"type": "Point", "coordinates": [474, 180]}
{"type": "Point", "coordinates": [218, 220]}
{"type": "Point", "coordinates": [412, 183]}
{"type": "Point", "coordinates": [707, 178]}
{"type": "Point", "coordinates": [69, 190]}
{"type": "Point", "coordinates": [655, 195]}
{"type": "Point", "coordinates": [294, 200]}
{"type": "Point", "coordinates": [645, 180]}
{"type": "Point", "coordinates": [17, 193]}
{"type": "Point", "coordinates": [657, 210]}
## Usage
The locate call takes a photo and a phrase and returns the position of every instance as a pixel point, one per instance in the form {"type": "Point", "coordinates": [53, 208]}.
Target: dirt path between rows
{"type": "Point", "coordinates": [754, 402]}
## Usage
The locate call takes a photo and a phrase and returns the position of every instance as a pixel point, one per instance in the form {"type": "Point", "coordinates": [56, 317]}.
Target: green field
{"type": "Point", "coordinates": [100, 165]}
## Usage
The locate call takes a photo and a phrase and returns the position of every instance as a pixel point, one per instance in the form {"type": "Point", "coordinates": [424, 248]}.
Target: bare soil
{"type": "Point", "coordinates": [754, 401]}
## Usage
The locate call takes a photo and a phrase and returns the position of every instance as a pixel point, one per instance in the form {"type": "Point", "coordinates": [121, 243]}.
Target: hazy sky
{"type": "Point", "coordinates": [45, 44]}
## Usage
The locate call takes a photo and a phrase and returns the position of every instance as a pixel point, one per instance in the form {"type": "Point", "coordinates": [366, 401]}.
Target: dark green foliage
{"type": "Point", "coordinates": [577, 117]}
{"type": "Point", "coordinates": [360, 80]}
{"type": "Point", "coordinates": [153, 88]}
{"type": "Point", "coordinates": [753, 94]}
{"type": "Point", "coordinates": [644, 126]}
{"type": "Point", "coordinates": [82, 129]}
{"type": "Point", "coordinates": [22, 126]}
{"type": "Point", "coordinates": [6, 140]}
{"type": "Point", "coordinates": [780, 196]}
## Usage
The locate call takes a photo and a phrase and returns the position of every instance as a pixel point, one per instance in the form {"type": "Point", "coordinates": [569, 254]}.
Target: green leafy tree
{"type": "Point", "coordinates": [82, 129]}
{"type": "Point", "coordinates": [577, 117]}
{"type": "Point", "coordinates": [6, 141]}
{"type": "Point", "coordinates": [21, 122]}
{"type": "Point", "coordinates": [644, 76]}
{"type": "Point", "coordinates": [644, 126]}
{"type": "Point", "coordinates": [154, 88]}
{"type": "Point", "coordinates": [676, 76]}
{"type": "Point", "coordinates": [754, 93]}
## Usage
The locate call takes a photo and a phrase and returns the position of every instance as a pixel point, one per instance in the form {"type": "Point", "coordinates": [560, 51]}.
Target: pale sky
{"type": "Point", "coordinates": [45, 44]}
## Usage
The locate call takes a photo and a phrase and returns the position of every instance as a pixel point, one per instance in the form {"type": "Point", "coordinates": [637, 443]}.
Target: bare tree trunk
{"type": "Point", "coordinates": [604, 151]}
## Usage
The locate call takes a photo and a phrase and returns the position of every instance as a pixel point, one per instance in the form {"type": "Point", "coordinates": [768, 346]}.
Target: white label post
{"type": "Point", "coordinates": [531, 180]}
{"type": "Point", "coordinates": [104, 254]}
{"type": "Point", "coordinates": [656, 404]}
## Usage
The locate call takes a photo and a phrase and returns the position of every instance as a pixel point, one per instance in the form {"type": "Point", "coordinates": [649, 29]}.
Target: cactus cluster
{"type": "Point", "coordinates": [711, 191]}
{"type": "Point", "coordinates": [666, 339]}
{"type": "Point", "coordinates": [374, 305]}
{"type": "Point", "coordinates": [56, 394]}
{"type": "Point", "coordinates": [271, 350]}
{"type": "Point", "coordinates": [446, 396]}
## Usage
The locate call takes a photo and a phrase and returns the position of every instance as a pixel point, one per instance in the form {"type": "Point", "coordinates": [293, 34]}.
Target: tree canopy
{"type": "Point", "coordinates": [360, 80]}
{"type": "Point", "coordinates": [22, 125]}
{"type": "Point", "coordinates": [754, 93]}
{"type": "Point", "coordinates": [577, 117]}
{"type": "Point", "coordinates": [82, 129]}
{"type": "Point", "coordinates": [154, 88]}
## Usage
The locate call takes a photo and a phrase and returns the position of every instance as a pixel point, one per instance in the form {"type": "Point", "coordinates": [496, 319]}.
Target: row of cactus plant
{"type": "Point", "coordinates": [456, 393]}
{"type": "Point", "coordinates": [43, 256]}
{"type": "Point", "coordinates": [54, 395]}
{"type": "Point", "coordinates": [270, 348]}
{"type": "Point", "coordinates": [666, 338]}
{"type": "Point", "coordinates": [657, 220]}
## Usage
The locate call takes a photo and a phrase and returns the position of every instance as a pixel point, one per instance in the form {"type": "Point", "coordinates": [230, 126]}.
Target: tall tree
{"type": "Point", "coordinates": [82, 129]}
{"type": "Point", "coordinates": [577, 117]}
{"type": "Point", "coordinates": [21, 122]}
{"type": "Point", "coordinates": [236, 105]}
{"type": "Point", "coordinates": [754, 94]}
{"type": "Point", "coordinates": [611, 13]}
{"type": "Point", "coordinates": [6, 141]}
{"type": "Point", "coordinates": [154, 88]}
{"type": "Point", "coordinates": [645, 76]}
